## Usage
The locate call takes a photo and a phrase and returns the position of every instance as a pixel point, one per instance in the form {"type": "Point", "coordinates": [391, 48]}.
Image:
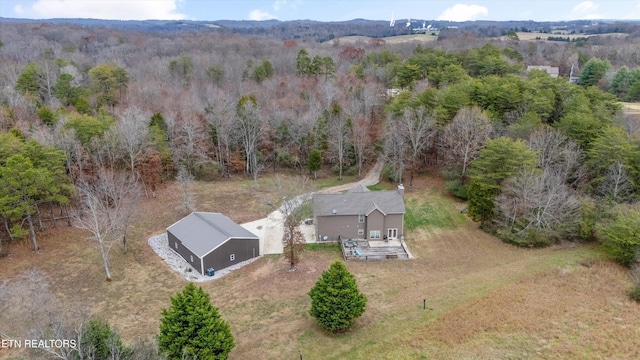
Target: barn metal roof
{"type": "Point", "coordinates": [358, 202]}
{"type": "Point", "coordinates": [203, 232]}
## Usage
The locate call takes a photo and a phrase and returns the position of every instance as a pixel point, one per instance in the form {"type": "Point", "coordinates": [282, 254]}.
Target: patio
{"type": "Point", "coordinates": [365, 250]}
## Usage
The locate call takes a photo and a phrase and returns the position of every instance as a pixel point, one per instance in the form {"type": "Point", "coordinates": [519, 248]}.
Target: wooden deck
{"type": "Point", "coordinates": [360, 250]}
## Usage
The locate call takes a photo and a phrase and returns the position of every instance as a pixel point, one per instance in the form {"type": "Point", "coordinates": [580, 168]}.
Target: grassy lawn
{"type": "Point", "coordinates": [485, 299]}
{"type": "Point", "coordinates": [332, 180]}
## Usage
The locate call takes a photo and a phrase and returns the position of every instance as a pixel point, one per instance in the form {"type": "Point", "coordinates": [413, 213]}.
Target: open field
{"type": "Point", "coordinates": [485, 299]}
{"type": "Point", "coordinates": [564, 34]}
{"type": "Point", "coordinates": [352, 40]}
{"type": "Point", "coordinates": [631, 108]}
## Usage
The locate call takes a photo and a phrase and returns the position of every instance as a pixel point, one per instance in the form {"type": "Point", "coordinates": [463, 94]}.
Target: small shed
{"type": "Point", "coordinates": [212, 240]}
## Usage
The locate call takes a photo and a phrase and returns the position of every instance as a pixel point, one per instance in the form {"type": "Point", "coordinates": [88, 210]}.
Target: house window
{"type": "Point", "coordinates": [191, 257]}
{"type": "Point", "coordinates": [360, 231]}
{"type": "Point", "coordinates": [361, 218]}
{"type": "Point", "coordinates": [374, 234]}
{"type": "Point", "coordinates": [176, 245]}
{"type": "Point", "coordinates": [232, 257]}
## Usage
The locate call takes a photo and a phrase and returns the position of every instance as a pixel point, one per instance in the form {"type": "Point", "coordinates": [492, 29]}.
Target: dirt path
{"type": "Point", "coordinates": [270, 229]}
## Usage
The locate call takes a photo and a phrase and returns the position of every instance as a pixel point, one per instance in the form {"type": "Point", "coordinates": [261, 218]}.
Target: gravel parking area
{"type": "Point", "coordinates": [160, 245]}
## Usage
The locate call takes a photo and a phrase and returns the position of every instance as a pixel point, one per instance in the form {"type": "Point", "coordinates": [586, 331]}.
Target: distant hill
{"type": "Point", "coordinates": [325, 31]}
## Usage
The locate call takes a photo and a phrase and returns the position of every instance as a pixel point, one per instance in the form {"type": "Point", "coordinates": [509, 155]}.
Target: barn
{"type": "Point", "coordinates": [211, 240]}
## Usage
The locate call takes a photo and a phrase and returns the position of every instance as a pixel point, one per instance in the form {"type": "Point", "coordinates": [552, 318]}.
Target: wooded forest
{"type": "Point", "coordinates": [93, 119]}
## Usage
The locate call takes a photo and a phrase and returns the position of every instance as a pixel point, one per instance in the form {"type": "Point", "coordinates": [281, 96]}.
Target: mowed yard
{"type": "Point", "coordinates": [485, 299]}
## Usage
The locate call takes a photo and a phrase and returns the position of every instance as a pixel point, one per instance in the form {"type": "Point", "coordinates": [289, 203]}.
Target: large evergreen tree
{"type": "Point", "coordinates": [335, 299]}
{"type": "Point", "coordinates": [501, 159]}
{"type": "Point", "coordinates": [30, 173]}
{"type": "Point", "coordinates": [593, 71]}
{"type": "Point", "coordinates": [192, 327]}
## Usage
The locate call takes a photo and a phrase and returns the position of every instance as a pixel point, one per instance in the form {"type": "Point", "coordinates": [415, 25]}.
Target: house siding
{"type": "Point", "coordinates": [243, 249]}
{"type": "Point", "coordinates": [392, 221]}
{"type": "Point", "coordinates": [184, 252]}
{"type": "Point", "coordinates": [375, 221]}
{"type": "Point", "coordinates": [339, 225]}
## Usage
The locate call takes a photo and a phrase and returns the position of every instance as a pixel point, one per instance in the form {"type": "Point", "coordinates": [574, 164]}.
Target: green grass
{"type": "Point", "coordinates": [435, 212]}
{"type": "Point", "coordinates": [333, 181]}
{"type": "Point", "coordinates": [332, 246]}
{"type": "Point", "coordinates": [382, 186]}
{"type": "Point", "coordinates": [306, 210]}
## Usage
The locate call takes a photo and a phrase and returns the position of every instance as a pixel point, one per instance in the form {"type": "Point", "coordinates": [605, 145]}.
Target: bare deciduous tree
{"type": "Point", "coordinates": [105, 208]}
{"type": "Point", "coordinates": [133, 128]}
{"type": "Point", "coordinates": [395, 149]}
{"type": "Point", "coordinates": [190, 142]}
{"type": "Point", "coordinates": [250, 127]}
{"type": "Point", "coordinates": [360, 139]}
{"type": "Point", "coordinates": [185, 182]}
{"type": "Point", "coordinates": [464, 137]}
{"type": "Point", "coordinates": [338, 131]}
{"type": "Point", "coordinates": [220, 114]}
{"type": "Point", "coordinates": [558, 154]}
{"type": "Point", "coordinates": [416, 126]}
{"type": "Point", "coordinates": [293, 193]}
{"type": "Point", "coordinates": [537, 200]}
{"type": "Point", "coordinates": [617, 184]}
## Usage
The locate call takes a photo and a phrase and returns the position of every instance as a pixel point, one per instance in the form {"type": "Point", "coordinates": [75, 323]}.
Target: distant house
{"type": "Point", "coordinates": [554, 71]}
{"type": "Point", "coordinates": [211, 240]}
{"type": "Point", "coordinates": [359, 214]}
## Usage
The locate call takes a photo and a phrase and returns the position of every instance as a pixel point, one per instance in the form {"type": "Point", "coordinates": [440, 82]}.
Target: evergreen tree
{"type": "Point", "coordinates": [98, 341]}
{"type": "Point", "coordinates": [593, 71]}
{"type": "Point", "coordinates": [30, 174]}
{"type": "Point", "coordinates": [31, 82]}
{"type": "Point", "coordinates": [501, 159]}
{"type": "Point", "coordinates": [621, 239]}
{"type": "Point", "coordinates": [335, 299]}
{"type": "Point", "coordinates": [109, 82]}
{"type": "Point", "coordinates": [303, 63]}
{"type": "Point", "coordinates": [315, 162]}
{"type": "Point", "coordinates": [192, 328]}
{"type": "Point", "coordinates": [620, 83]}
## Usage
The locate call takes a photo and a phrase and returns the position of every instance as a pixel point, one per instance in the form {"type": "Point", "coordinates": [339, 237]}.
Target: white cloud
{"type": "Point", "coordinates": [18, 10]}
{"type": "Point", "coordinates": [585, 6]}
{"type": "Point", "coordinates": [108, 9]}
{"type": "Point", "coordinates": [260, 15]}
{"type": "Point", "coordinates": [586, 10]}
{"type": "Point", "coordinates": [278, 4]}
{"type": "Point", "coordinates": [464, 12]}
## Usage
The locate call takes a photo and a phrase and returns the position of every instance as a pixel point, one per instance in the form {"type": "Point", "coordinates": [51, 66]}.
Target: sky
{"type": "Point", "coordinates": [324, 10]}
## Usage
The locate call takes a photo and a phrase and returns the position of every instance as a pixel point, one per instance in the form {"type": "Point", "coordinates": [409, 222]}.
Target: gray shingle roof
{"type": "Point", "coordinates": [202, 232]}
{"type": "Point", "coordinates": [356, 203]}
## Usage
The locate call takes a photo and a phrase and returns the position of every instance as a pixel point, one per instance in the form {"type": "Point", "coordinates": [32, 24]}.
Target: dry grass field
{"type": "Point", "coordinates": [355, 40]}
{"type": "Point", "coordinates": [631, 108]}
{"type": "Point", "coordinates": [564, 34]}
{"type": "Point", "coordinates": [485, 299]}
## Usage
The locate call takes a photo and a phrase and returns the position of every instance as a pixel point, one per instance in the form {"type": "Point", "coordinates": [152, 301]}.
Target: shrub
{"type": "Point", "coordinates": [634, 294]}
{"type": "Point", "coordinates": [528, 239]}
{"type": "Point", "coordinates": [46, 115]}
{"type": "Point", "coordinates": [457, 188]}
{"type": "Point", "coordinates": [621, 238]}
